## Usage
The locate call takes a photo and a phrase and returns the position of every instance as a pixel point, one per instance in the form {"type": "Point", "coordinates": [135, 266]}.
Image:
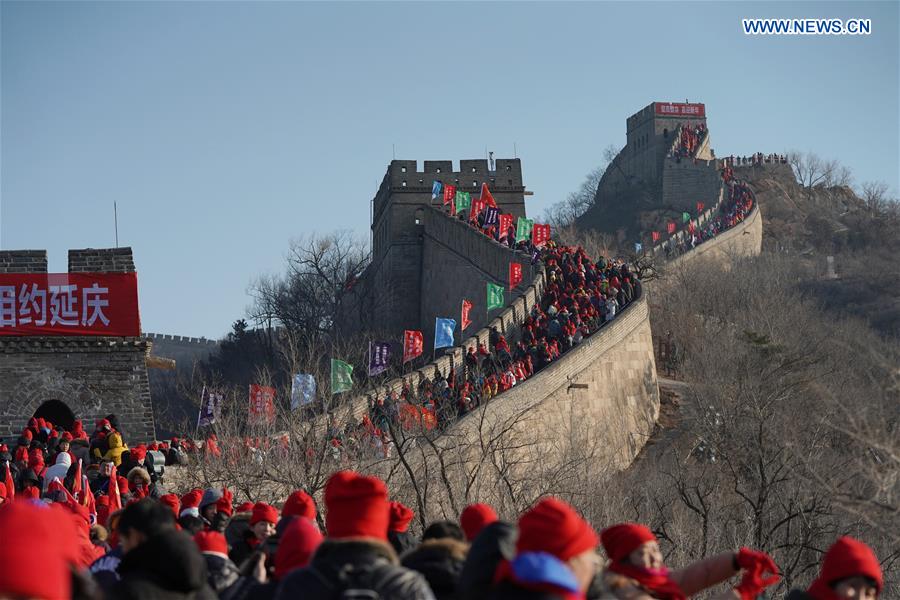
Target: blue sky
{"type": "Point", "coordinates": [223, 130]}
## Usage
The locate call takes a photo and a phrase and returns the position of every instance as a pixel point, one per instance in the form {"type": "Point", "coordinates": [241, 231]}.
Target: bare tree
{"type": "Point", "coordinates": [565, 212]}
{"type": "Point", "coordinates": [811, 170]}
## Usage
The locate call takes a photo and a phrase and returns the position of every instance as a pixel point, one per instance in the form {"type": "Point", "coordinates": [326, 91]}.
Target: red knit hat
{"type": "Point", "coordinates": [172, 501]}
{"type": "Point", "coordinates": [211, 542]}
{"type": "Point", "coordinates": [190, 502]}
{"type": "Point", "coordinates": [27, 434]}
{"type": "Point", "coordinates": [553, 526]}
{"type": "Point", "coordinates": [66, 437]}
{"type": "Point", "coordinates": [138, 453]}
{"type": "Point", "coordinates": [245, 507]}
{"type": "Point", "coordinates": [400, 517]}
{"type": "Point", "coordinates": [357, 506]}
{"type": "Point", "coordinates": [296, 546]}
{"type": "Point", "coordinates": [299, 504]}
{"type": "Point", "coordinates": [32, 568]}
{"type": "Point", "coordinates": [847, 557]}
{"type": "Point", "coordinates": [263, 512]}
{"type": "Point", "coordinates": [621, 540]}
{"type": "Point", "coordinates": [476, 517]}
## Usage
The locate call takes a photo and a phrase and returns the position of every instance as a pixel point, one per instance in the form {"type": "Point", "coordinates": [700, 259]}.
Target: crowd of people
{"type": "Point", "coordinates": [755, 159]}
{"type": "Point", "coordinates": [202, 546]}
{"type": "Point", "coordinates": [688, 140]}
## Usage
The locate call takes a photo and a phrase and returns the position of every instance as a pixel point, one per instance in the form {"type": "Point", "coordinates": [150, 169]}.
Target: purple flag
{"type": "Point", "coordinates": [379, 356]}
{"type": "Point", "coordinates": [209, 407]}
{"type": "Point", "coordinates": [491, 216]}
{"type": "Point", "coordinates": [535, 256]}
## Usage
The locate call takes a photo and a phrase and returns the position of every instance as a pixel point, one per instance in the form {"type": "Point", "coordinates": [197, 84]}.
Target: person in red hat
{"type": "Point", "coordinates": [850, 569]}
{"type": "Point", "coordinates": [636, 569]}
{"type": "Point", "coordinates": [263, 521]}
{"type": "Point", "coordinates": [398, 527]}
{"type": "Point", "coordinates": [221, 572]}
{"type": "Point", "coordinates": [32, 567]}
{"type": "Point", "coordinates": [556, 555]}
{"type": "Point", "coordinates": [355, 555]}
{"type": "Point", "coordinates": [299, 504]}
{"type": "Point", "coordinates": [296, 547]}
{"type": "Point", "coordinates": [476, 517]}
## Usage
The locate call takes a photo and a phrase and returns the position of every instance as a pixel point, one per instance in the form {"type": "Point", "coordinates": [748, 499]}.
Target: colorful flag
{"type": "Point", "coordinates": [691, 227]}
{"type": "Point", "coordinates": [115, 498]}
{"type": "Point", "coordinates": [535, 256]}
{"type": "Point", "coordinates": [523, 229]}
{"type": "Point", "coordinates": [466, 309]}
{"type": "Point", "coordinates": [670, 227]}
{"type": "Point", "coordinates": [379, 357]}
{"type": "Point", "coordinates": [515, 275]}
{"type": "Point", "coordinates": [76, 484]}
{"type": "Point", "coordinates": [341, 376]}
{"type": "Point", "coordinates": [699, 207]}
{"type": "Point", "coordinates": [486, 196]}
{"type": "Point", "coordinates": [506, 221]}
{"type": "Point", "coordinates": [685, 217]}
{"type": "Point", "coordinates": [463, 201]}
{"type": "Point", "coordinates": [443, 332]}
{"type": "Point", "coordinates": [495, 296]}
{"type": "Point", "coordinates": [89, 500]}
{"type": "Point", "coordinates": [413, 343]}
{"type": "Point", "coordinates": [449, 193]}
{"type": "Point", "coordinates": [209, 407]}
{"type": "Point", "coordinates": [435, 190]}
{"type": "Point", "coordinates": [540, 235]}
{"type": "Point", "coordinates": [262, 404]}
{"type": "Point", "coordinates": [638, 247]}
{"type": "Point", "coordinates": [477, 207]}
{"type": "Point", "coordinates": [10, 484]}
{"type": "Point", "coordinates": [303, 390]}
{"type": "Point", "coordinates": [655, 236]}
{"type": "Point", "coordinates": [491, 217]}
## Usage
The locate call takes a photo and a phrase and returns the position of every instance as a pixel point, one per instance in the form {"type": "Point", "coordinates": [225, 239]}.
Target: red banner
{"type": "Point", "coordinates": [486, 196]}
{"type": "Point", "coordinates": [655, 236]}
{"type": "Point", "coordinates": [670, 228]}
{"type": "Point", "coordinates": [477, 207]}
{"type": "Point", "coordinates": [674, 109]}
{"type": "Point", "coordinates": [540, 235]}
{"type": "Point", "coordinates": [449, 193]}
{"type": "Point", "coordinates": [515, 275]}
{"type": "Point", "coordinates": [262, 404]}
{"type": "Point", "coordinates": [412, 344]}
{"type": "Point", "coordinates": [69, 304]}
{"type": "Point", "coordinates": [466, 309]}
{"type": "Point", "coordinates": [699, 207]}
{"type": "Point", "coordinates": [506, 221]}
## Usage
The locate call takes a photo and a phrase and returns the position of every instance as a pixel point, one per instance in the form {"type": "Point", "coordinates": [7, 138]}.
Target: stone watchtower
{"type": "Point", "coordinates": [398, 261]}
{"type": "Point", "coordinates": [63, 377]}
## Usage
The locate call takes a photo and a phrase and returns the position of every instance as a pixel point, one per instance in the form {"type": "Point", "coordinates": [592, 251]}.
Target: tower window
{"type": "Point", "coordinates": [438, 170]}
{"type": "Point", "coordinates": [421, 181]}
{"type": "Point", "coordinates": [508, 168]}
{"type": "Point", "coordinates": [403, 183]}
{"type": "Point", "coordinates": [474, 170]}
{"type": "Point", "coordinates": [403, 169]}
{"type": "Point", "coordinates": [474, 184]}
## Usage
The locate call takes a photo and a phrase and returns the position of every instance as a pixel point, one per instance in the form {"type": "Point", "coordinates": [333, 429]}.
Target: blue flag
{"type": "Point", "coordinates": [443, 332]}
{"type": "Point", "coordinates": [436, 189]}
{"type": "Point", "coordinates": [638, 247]}
{"type": "Point", "coordinates": [303, 390]}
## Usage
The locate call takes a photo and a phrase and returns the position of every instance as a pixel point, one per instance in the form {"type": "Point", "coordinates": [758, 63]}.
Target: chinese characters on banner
{"type": "Point", "coordinates": [463, 201]}
{"type": "Point", "coordinates": [670, 227]}
{"type": "Point", "coordinates": [436, 190]}
{"type": "Point", "coordinates": [491, 217]}
{"type": "Point", "coordinates": [523, 229]}
{"type": "Point", "coordinates": [495, 296]}
{"type": "Point", "coordinates": [477, 207]}
{"type": "Point", "coordinates": [515, 275]}
{"type": "Point", "coordinates": [69, 304]}
{"type": "Point", "coordinates": [655, 236]}
{"type": "Point", "coordinates": [466, 309]}
{"type": "Point", "coordinates": [379, 357]}
{"type": "Point", "coordinates": [449, 193]}
{"type": "Point", "coordinates": [303, 390]}
{"type": "Point", "coordinates": [540, 235]}
{"type": "Point", "coordinates": [209, 407]}
{"type": "Point", "coordinates": [506, 221]}
{"type": "Point", "coordinates": [680, 109]}
{"type": "Point", "coordinates": [413, 341]}
{"type": "Point", "coordinates": [443, 332]}
{"type": "Point", "coordinates": [262, 404]}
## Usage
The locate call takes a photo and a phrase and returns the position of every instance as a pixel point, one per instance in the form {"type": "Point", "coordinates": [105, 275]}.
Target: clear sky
{"type": "Point", "coordinates": [223, 130]}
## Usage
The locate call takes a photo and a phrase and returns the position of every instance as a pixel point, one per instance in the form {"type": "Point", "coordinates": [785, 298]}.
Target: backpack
{"type": "Point", "coordinates": [360, 583]}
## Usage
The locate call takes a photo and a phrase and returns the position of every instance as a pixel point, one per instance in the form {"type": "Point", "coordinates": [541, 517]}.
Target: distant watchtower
{"type": "Point", "coordinates": [397, 228]}
{"type": "Point", "coordinates": [650, 133]}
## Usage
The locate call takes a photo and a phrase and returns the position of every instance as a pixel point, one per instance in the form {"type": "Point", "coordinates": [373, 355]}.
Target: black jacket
{"type": "Point", "coordinates": [798, 595]}
{"type": "Point", "coordinates": [507, 590]}
{"type": "Point", "coordinates": [221, 573]}
{"type": "Point", "coordinates": [441, 562]}
{"type": "Point", "coordinates": [354, 564]}
{"type": "Point", "coordinates": [495, 543]}
{"type": "Point", "coordinates": [401, 541]}
{"type": "Point", "coordinates": [168, 566]}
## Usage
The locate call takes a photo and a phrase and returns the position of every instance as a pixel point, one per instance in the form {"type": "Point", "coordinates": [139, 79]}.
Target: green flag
{"type": "Point", "coordinates": [523, 229]}
{"type": "Point", "coordinates": [685, 217]}
{"type": "Point", "coordinates": [463, 201]}
{"type": "Point", "coordinates": [341, 376]}
{"type": "Point", "coordinates": [495, 296]}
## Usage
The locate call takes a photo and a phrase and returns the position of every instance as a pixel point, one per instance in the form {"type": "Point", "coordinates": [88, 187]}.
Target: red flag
{"type": "Point", "coordinates": [449, 193]}
{"type": "Point", "coordinates": [699, 207]}
{"type": "Point", "coordinates": [506, 222]}
{"type": "Point", "coordinates": [466, 321]}
{"type": "Point", "coordinates": [10, 485]}
{"type": "Point", "coordinates": [486, 196]}
{"type": "Point", "coordinates": [691, 227]}
{"type": "Point", "coordinates": [670, 227]}
{"type": "Point", "coordinates": [76, 484]}
{"type": "Point", "coordinates": [262, 404]}
{"type": "Point", "coordinates": [89, 497]}
{"type": "Point", "coordinates": [412, 344]}
{"type": "Point", "coordinates": [115, 498]}
{"type": "Point", "coordinates": [540, 234]}
{"type": "Point", "coordinates": [655, 236]}
{"type": "Point", "coordinates": [515, 275]}
{"type": "Point", "coordinates": [477, 207]}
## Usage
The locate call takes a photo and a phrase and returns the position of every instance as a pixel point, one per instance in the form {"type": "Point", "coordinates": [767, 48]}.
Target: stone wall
{"type": "Point", "coordinates": [685, 182]}
{"type": "Point", "coordinates": [183, 350]}
{"type": "Point", "coordinates": [92, 375]}
{"type": "Point", "coordinates": [744, 239]}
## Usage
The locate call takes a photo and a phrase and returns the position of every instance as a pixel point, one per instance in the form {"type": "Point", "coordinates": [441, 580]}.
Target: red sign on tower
{"type": "Point", "coordinates": [675, 109]}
